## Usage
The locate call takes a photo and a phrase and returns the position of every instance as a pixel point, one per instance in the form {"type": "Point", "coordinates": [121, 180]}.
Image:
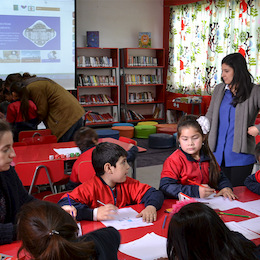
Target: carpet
{"type": "Point", "coordinates": [151, 156]}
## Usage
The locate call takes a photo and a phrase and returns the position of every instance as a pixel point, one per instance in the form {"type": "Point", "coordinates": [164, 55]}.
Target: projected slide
{"type": "Point", "coordinates": [38, 38]}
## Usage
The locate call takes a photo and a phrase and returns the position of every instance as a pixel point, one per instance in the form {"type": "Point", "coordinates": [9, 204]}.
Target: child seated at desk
{"type": "Point", "coordinates": [86, 139]}
{"type": "Point", "coordinates": [112, 187]}
{"type": "Point", "coordinates": [192, 169]}
{"type": "Point", "coordinates": [48, 232]}
{"type": "Point", "coordinates": [252, 182]}
{"type": "Point", "coordinates": [196, 232]}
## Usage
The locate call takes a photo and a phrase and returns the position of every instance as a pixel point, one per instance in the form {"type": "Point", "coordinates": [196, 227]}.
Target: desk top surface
{"type": "Point", "coordinates": [131, 234]}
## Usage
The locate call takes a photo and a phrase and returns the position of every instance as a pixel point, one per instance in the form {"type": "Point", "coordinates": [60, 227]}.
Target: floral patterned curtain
{"type": "Point", "coordinates": [202, 34]}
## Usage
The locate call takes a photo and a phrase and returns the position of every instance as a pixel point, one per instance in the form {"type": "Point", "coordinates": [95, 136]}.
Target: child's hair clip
{"type": "Point", "coordinates": [179, 204]}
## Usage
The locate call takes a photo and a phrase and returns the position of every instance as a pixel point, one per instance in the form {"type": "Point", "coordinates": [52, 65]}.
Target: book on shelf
{"type": "Point", "coordinates": [145, 40]}
{"type": "Point", "coordinates": [93, 39]}
{"type": "Point", "coordinates": [102, 61]}
{"type": "Point", "coordinates": [142, 61]}
{"type": "Point", "coordinates": [140, 97]}
{"type": "Point", "coordinates": [157, 111]}
{"type": "Point", "coordinates": [94, 80]}
{"type": "Point", "coordinates": [135, 79]}
{"type": "Point", "coordinates": [95, 99]}
{"type": "Point", "coordinates": [95, 117]}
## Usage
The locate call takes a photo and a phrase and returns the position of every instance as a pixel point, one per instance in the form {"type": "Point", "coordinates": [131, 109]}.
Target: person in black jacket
{"type": "Point", "coordinates": [49, 232]}
{"type": "Point", "coordinates": [12, 193]}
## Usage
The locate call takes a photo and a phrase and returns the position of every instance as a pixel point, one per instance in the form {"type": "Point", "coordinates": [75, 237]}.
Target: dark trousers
{"type": "Point", "coordinates": [237, 174]}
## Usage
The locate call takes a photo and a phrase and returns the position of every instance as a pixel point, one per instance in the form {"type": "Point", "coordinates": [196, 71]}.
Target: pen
{"type": "Point", "coordinates": [163, 225]}
{"type": "Point", "coordinates": [230, 214]}
{"type": "Point", "coordinates": [101, 203]}
{"type": "Point", "coordinates": [70, 204]}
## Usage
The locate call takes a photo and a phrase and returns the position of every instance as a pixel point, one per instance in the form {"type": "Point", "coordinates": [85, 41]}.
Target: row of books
{"type": "Point", "coordinates": [142, 61]}
{"type": "Point", "coordinates": [95, 99]}
{"type": "Point", "coordinates": [132, 115]}
{"type": "Point", "coordinates": [102, 61]}
{"type": "Point", "coordinates": [94, 117]}
{"type": "Point", "coordinates": [142, 79]}
{"type": "Point", "coordinates": [93, 80]}
{"type": "Point", "coordinates": [140, 97]}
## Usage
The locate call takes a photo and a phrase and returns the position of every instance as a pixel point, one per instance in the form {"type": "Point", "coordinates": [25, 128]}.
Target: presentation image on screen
{"type": "Point", "coordinates": [38, 37]}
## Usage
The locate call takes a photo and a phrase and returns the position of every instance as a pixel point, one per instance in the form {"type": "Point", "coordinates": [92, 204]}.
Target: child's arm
{"type": "Point", "coordinates": [252, 184]}
{"type": "Point", "coordinates": [131, 153]}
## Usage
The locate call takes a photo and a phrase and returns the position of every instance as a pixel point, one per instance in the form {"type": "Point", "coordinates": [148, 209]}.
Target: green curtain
{"type": "Point", "coordinates": [202, 34]}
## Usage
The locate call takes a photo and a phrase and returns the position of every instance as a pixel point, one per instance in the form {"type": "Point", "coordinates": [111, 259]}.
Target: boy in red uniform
{"type": "Point", "coordinates": [111, 186]}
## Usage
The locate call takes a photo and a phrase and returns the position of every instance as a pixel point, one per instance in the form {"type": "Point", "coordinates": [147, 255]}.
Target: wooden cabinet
{"type": "Point", "coordinates": [141, 84]}
{"type": "Point", "coordinates": [97, 87]}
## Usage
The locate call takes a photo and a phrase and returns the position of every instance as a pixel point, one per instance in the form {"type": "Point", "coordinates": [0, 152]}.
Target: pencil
{"type": "Point", "coordinates": [101, 203]}
{"type": "Point", "coordinates": [195, 183]}
{"type": "Point", "coordinates": [163, 225]}
{"type": "Point", "coordinates": [70, 204]}
{"type": "Point", "coordinates": [230, 214]}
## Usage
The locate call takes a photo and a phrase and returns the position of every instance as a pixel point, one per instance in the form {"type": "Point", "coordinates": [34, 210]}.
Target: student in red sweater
{"type": "Point", "coordinates": [252, 182]}
{"type": "Point", "coordinates": [111, 186]}
{"type": "Point", "coordinates": [86, 139]}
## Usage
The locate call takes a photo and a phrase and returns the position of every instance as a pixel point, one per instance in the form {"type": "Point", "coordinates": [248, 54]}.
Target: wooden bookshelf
{"type": "Point", "coordinates": [142, 88]}
{"type": "Point", "coordinates": [97, 87]}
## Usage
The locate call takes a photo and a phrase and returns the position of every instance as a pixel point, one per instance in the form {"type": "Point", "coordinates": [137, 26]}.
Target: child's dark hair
{"type": "Point", "coordinates": [23, 94]}
{"type": "Point", "coordinates": [49, 232]}
{"type": "Point", "coordinates": [257, 151]}
{"type": "Point", "coordinates": [106, 153]}
{"type": "Point", "coordinates": [214, 170]}
{"type": "Point", "coordinates": [196, 232]}
{"type": "Point", "coordinates": [84, 137]}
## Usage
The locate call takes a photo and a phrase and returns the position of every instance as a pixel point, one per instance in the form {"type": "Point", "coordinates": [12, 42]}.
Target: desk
{"type": "Point", "coordinates": [131, 234]}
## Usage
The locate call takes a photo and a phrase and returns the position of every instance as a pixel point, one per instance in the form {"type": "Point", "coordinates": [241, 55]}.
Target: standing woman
{"type": "Point", "coordinates": [12, 193]}
{"type": "Point", "coordinates": [232, 112]}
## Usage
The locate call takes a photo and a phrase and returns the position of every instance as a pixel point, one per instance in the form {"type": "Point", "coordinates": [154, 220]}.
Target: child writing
{"type": "Point", "coordinates": [193, 163]}
{"type": "Point", "coordinates": [196, 232]}
{"type": "Point", "coordinates": [48, 232]}
{"type": "Point", "coordinates": [22, 112]}
{"type": "Point", "coordinates": [86, 139]}
{"type": "Point", "coordinates": [252, 182]}
{"type": "Point", "coordinates": [112, 187]}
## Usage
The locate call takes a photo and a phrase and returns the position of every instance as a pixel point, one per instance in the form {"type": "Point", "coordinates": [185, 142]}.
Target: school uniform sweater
{"type": "Point", "coordinates": [252, 182]}
{"type": "Point", "coordinates": [84, 197]}
{"type": "Point", "coordinates": [179, 167]}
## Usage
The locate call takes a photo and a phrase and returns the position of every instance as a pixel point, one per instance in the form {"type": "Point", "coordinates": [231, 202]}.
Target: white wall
{"type": "Point", "coordinates": [120, 21]}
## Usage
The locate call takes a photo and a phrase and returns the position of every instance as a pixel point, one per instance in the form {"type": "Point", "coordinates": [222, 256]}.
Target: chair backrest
{"type": "Point", "coordinates": [54, 197]}
{"type": "Point", "coordinates": [40, 172]}
{"type": "Point", "coordinates": [45, 139]}
{"type": "Point", "coordinates": [32, 133]}
{"type": "Point", "coordinates": [127, 140]}
{"type": "Point", "coordinates": [257, 139]}
{"type": "Point", "coordinates": [85, 171]}
{"type": "Point", "coordinates": [15, 144]}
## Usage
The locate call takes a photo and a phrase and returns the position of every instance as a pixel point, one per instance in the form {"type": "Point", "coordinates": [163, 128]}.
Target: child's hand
{"type": "Point", "coordinates": [106, 212]}
{"type": "Point", "coordinates": [148, 214]}
{"type": "Point", "coordinates": [205, 191]}
{"type": "Point", "coordinates": [227, 193]}
{"type": "Point", "coordinates": [71, 210]}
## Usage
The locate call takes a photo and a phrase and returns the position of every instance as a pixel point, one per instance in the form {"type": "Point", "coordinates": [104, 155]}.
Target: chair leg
{"type": "Point", "coordinates": [48, 176]}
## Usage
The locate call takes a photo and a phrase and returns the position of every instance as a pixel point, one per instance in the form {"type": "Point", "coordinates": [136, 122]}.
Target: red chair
{"type": "Point", "coordinates": [15, 144]}
{"type": "Point", "coordinates": [45, 139]}
{"type": "Point", "coordinates": [32, 133]}
{"type": "Point", "coordinates": [41, 173]}
{"type": "Point", "coordinates": [257, 139]}
{"type": "Point", "coordinates": [54, 197]}
{"type": "Point", "coordinates": [85, 171]}
{"type": "Point", "coordinates": [127, 140]}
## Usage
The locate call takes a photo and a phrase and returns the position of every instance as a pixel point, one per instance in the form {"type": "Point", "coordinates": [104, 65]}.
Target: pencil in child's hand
{"type": "Point", "coordinates": [195, 183]}
{"type": "Point", "coordinates": [101, 203]}
{"type": "Point", "coordinates": [70, 204]}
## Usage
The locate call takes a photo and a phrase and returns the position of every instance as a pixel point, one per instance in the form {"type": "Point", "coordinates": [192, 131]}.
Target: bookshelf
{"type": "Point", "coordinates": [97, 87]}
{"type": "Point", "coordinates": [142, 88]}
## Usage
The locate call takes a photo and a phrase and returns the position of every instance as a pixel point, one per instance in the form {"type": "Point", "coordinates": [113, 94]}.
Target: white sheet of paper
{"type": "Point", "coordinates": [67, 150]}
{"type": "Point", "coordinates": [236, 226]}
{"type": "Point", "coordinates": [252, 224]}
{"type": "Point", "coordinates": [252, 206]}
{"type": "Point", "coordinates": [125, 219]}
{"type": "Point", "coordinates": [149, 247]}
{"type": "Point", "coordinates": [221, 203]}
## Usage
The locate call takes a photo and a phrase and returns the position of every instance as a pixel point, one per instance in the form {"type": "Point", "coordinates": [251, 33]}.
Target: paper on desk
{"type": "Point", "coordinates": [252, 206]}
{"type": "Point", "coordinates": [237, 226]}
{"type": "Point", "coordinates": [221, 203]}
{"type": "Point", "coordinates": [252, 224]}
{"type": "Point", "coordinates": [67, 150]}
{"type": "Point", "coordinates": [149, 247]}
{"type": "Point", "coordinates": [125, 219]}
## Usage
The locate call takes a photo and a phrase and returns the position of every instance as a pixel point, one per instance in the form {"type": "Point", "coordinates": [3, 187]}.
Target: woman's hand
{"type": "Point", "coordinates": [252, 130]}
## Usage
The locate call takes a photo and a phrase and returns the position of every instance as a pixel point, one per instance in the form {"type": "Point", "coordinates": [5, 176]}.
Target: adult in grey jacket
{"type": "Point", "coordinates": [232, 112]}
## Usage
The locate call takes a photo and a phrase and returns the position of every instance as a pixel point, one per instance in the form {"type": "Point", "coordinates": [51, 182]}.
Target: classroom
{"type": "Point", "coordinates": [130, 129]}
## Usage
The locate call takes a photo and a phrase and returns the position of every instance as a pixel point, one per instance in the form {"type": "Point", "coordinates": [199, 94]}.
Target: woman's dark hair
{"type": "Point", "coordinates": [196, 232]}
{"type": "Point", "coordinates": [23, 94]}
{"type": "Point", "coordinates": [242, 80]}
{"type": "Point", "coordinates": [214, 170]}
{"type": "Point", "coordinates": [48, 232]}
{"type": "Point", "coordinates": [84, 138]}
{"type": "Point", "coordinates": [16, 77]}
